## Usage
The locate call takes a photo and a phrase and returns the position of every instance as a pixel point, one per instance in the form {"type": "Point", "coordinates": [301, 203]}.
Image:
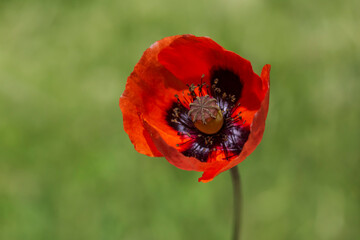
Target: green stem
{"type": "Point", "coordinates": [235, 177]}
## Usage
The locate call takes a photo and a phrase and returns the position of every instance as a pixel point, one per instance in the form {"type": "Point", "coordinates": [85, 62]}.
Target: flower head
{"type": "Point", "coordinates": [195, 103]}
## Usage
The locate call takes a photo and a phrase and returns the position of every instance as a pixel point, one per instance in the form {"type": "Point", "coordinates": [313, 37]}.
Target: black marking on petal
{"type": "Point", "coordinates": [225, 81]}
{"type": "Point", "coordinates": [178, 119]}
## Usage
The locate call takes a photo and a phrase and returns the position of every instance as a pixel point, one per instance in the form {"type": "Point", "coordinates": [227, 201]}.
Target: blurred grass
{"type": "Point", "coordinates": [68, 170]}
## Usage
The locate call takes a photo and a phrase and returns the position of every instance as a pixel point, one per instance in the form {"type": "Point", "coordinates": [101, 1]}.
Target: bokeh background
{"type": "Point", "coordinates": [68, 170]}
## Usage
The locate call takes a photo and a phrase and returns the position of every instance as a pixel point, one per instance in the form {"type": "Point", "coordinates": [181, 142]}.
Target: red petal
{"type": "Point", "coordinates": [149, 90]}
{"type": "Point", "coordinates": [256, 129]}
{"type": "Point", "coordinates": [189, 57]}
{"type": "Point", "coordinates": [178, 159]}
{"type": "Point", "coordinates": [172, 154]}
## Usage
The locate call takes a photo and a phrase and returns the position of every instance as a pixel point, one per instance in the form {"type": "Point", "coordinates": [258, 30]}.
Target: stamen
{"type": "Point", "coordinates": [208, 121]}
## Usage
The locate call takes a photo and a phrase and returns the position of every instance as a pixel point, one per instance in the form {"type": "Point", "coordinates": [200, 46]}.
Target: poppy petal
{"type": "Point", "coordinates": [179, 160]}
{"type": "Point", "coordinates": [256, 129]}
{"type": "Point", "coordinates": [149, 80]}
{"type": "Point", "coordinates": [189, 57]}
{"type": "Point", "coordinates": [171, 153]}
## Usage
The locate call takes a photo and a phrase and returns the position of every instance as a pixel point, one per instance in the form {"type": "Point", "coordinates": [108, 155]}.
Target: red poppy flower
{"type": "Point", "coordinates": [197, 104]}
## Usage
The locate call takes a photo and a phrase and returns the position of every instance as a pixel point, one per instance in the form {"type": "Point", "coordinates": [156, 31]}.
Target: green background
{"type": "Point", "coordinates": [68, 170]}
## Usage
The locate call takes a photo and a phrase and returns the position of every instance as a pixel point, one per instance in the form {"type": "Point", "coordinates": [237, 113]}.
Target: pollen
{"type": "Point", "coordinates": [206, 114]}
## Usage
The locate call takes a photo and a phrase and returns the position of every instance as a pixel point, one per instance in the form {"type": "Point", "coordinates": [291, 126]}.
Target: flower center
{"type": "Point", "coordinates": [206, 114]}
